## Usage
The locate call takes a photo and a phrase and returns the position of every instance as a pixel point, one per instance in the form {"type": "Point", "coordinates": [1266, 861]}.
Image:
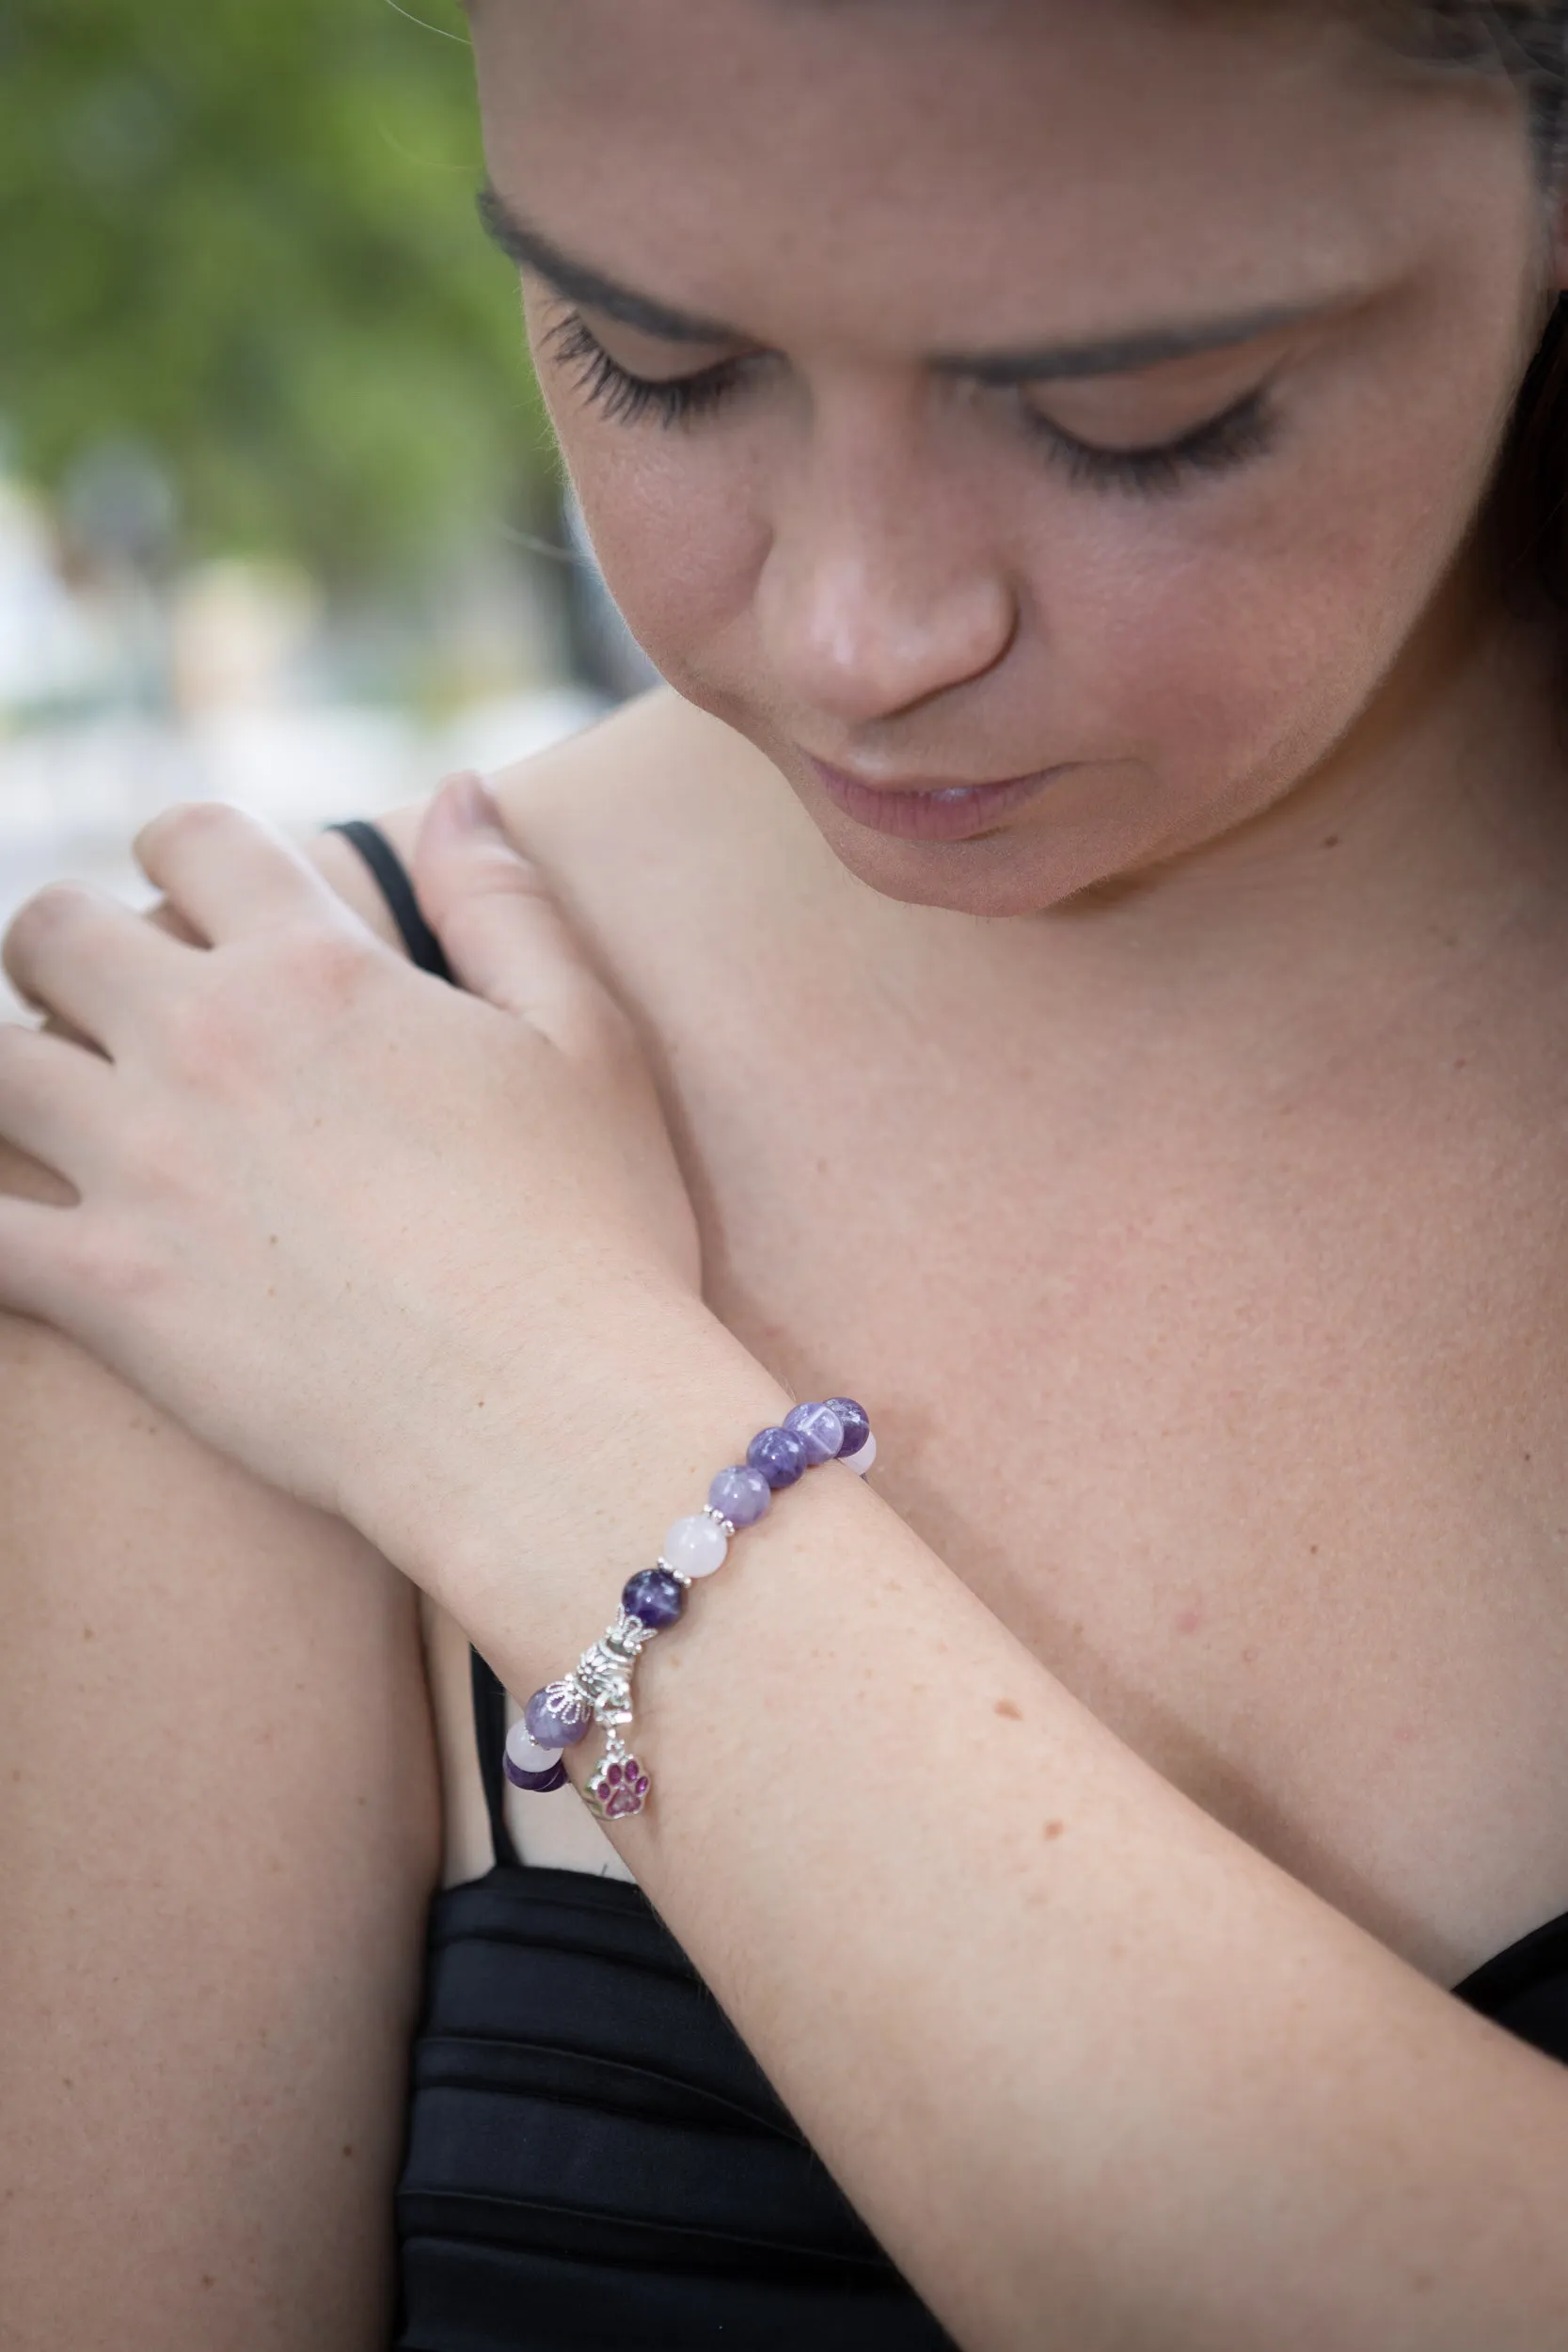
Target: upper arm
{"type": "Point", "coordinates": [221, 1832]}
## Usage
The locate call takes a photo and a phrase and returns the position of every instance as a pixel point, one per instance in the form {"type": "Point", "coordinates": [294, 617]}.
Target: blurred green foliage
{"type": "Point", "coordinates": [239, 235]}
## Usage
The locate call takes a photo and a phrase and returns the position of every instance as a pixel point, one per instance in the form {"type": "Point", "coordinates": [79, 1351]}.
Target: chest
{"type": "Point", "coordinates": [1244, 1409]}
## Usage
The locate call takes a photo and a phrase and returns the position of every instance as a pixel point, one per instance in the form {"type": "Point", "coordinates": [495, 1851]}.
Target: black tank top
{"type": "Point", "coordinates": [594, 2160]}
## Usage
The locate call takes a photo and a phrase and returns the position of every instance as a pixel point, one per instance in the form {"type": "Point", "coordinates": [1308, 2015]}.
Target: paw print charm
{"type": "Point", "coordinates": [618, 1789]}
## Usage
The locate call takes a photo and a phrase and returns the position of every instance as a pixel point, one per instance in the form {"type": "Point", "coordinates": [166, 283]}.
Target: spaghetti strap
{"type": "Point", "coordinates": [424, 949]}
{"type": "Point", "coordinates": [490, 1737]}
{"type": "Point", "coordinates": [391, 879]}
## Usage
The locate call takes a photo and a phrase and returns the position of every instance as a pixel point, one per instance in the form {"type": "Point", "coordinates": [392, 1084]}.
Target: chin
{"type": "Point", "coordinates": [1003, 874]}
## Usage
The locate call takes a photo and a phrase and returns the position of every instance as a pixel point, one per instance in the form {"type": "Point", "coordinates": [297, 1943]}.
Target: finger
{"type": "Point", "coordinates": [505, 935]}
{"type": "Point", "coordinates": [55, 1099]}
{"type": "Point", "coordinates": [225, 872]}
{"type": "Point", "coordinates": [86, 961]}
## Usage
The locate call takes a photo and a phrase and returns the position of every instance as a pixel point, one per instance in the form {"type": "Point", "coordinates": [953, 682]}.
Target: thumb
{"type": "Point", "coordinates": [496, 918]}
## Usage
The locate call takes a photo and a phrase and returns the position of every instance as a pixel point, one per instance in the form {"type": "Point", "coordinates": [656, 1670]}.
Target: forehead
{"type": "Point", "coordinates": [917, 166]}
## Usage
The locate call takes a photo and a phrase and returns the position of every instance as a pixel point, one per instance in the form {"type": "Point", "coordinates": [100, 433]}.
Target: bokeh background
{"type": "Point", "coordinates": [279, 517]}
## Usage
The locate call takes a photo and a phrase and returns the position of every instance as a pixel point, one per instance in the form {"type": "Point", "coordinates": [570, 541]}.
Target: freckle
{"type": "Point", "coordinates": [1249, 1658]}
{"type": "Point", "coordinates": [1005, 1706]}
{"type": "Point", "coordinates": [87, 1633]}
{"type": "Point", "coordinates": [1054, 1828]}
{"type": "Point", "coordinates": [207, 2279]}
{"type": "Point", "coordinates": [1189, 1621]}
{"type": "Point", "coordinates": [348, 2147]}
{"type": "Point", "coordinates": [1313, 1549]}
{"type": "Point", "coordinates": [1462, 1063]}
{"type": "Point", "coordinates": [1527, 1457]}
{"type": "Point", "coordinates": [271, 1241]}
{"type": "Point", "coordinates": [1332, 842]}
{"type": "Point", "coordinates": [68, 2084]}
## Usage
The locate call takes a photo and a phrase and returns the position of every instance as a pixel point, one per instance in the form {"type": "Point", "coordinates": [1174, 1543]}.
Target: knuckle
{"type": "Point", "coordinates": [326, 967]}
{"type": "Point", "coordinates": [112, 1263]}
{"type": "Point", "coordinates": [187, 821]}
{"type": "Point", "coordinates": [203, 1035]}
{"type": "Point", "coordinates": [150, 1146]}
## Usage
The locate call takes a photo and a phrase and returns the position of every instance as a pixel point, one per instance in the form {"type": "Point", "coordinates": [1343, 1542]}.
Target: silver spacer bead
{"type": "Point", "coordinates": [683, 1581]}
{"type": "Point", "coordinates": [718, 1519]}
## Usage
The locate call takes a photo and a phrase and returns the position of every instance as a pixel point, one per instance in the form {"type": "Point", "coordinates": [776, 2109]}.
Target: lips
{"type": "Point", "coordinates": [931, 811]}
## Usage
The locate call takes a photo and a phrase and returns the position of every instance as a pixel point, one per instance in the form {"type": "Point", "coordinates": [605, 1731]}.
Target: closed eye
{"type": "Point", "coordinates": [1219, 444]}
{"type": "Point", "coordinates": [1245, 430]}
{"type": "Point", "coordinates": [628, 398]}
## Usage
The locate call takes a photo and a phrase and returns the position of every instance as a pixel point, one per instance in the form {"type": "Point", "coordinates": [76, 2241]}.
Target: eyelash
{"type": "Point", "coordinates": [1243, 431]}
{"type": "Point", "coordinates": [627, 399]}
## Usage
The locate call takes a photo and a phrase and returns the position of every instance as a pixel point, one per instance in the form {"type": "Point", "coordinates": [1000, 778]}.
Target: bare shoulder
{"type": "Point", "coordinates": [656, 793]}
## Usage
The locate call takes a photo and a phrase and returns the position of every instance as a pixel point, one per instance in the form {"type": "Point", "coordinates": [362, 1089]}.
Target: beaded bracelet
{"type": "Point", "coordinates": [599, 1690]}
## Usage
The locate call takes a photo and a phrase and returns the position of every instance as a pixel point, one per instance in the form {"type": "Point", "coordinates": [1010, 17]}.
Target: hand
{"type": "Point", "coordinates": [330, 1210]}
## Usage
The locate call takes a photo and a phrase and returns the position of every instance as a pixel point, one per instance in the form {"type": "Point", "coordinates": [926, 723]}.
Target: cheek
{"type": "Point", "coordinates": [1230, 662]}
{"type": "Point", "coordinates": [678, 526]}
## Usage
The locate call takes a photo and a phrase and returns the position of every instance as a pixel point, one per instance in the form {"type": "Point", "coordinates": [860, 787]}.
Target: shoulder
{"type": "Point", "coordinates": [653, 815]}
{"type": "Point", "coordinates": [654, 761]}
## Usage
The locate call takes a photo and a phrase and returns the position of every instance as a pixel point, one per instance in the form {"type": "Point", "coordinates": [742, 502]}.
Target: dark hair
{"type": "Point", "coordinates": [1527, 40]}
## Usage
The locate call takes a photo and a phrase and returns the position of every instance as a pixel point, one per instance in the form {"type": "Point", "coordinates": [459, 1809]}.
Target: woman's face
{"type": "Point", "coordinates": [968, 391]}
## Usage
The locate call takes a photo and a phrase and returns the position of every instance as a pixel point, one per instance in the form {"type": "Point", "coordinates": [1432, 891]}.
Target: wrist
{"type": "Point", "coordinates": [522, 1505]}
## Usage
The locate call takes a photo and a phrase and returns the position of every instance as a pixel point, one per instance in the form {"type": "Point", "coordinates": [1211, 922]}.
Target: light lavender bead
{"type": "Point", "coordinates": [526, 1756]}
{"type": "Point", "coordinates": [740, 1496]}
{"type": "Point", "coordinates": [529, 1765]}
{"type": "Point", "coordinates": [819, 1430]}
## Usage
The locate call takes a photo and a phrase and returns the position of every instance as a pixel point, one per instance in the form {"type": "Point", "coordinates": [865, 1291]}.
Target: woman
{"type": "Point", "coordinates": [1092, 910]}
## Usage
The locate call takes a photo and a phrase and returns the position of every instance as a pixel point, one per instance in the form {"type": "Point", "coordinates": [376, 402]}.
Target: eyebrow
{"type": "Point", "coordinates": [578, 282]}
{"type": "Point", "coordinates": [1116, 354]}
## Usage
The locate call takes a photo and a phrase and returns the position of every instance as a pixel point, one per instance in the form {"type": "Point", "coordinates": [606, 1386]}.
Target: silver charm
{"type": "Point", "coordinates": [618, 1785]}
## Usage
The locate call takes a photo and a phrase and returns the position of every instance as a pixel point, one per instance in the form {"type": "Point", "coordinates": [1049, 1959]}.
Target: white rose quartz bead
{"type": "Point", "coordinates": [696, 1546]}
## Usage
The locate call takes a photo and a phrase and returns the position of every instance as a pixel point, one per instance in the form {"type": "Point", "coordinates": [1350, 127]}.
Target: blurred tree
{"type": "Point", "coordinates": [237, 239]}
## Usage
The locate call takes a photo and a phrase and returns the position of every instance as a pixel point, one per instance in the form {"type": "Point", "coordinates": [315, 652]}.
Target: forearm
{"type": "Point", "coordinates": [1087, 2062]}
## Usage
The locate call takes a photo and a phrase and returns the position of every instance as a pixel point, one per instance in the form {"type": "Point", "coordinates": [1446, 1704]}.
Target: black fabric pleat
{"type": "Point", "coordinates": [1526, 1989]}
{"type": "Point", "coordinates": [594, 2160]}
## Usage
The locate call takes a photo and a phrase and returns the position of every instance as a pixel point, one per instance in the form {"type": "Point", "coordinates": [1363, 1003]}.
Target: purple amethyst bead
{"type": "Point", "coordinates": [655, 1598]}
{"type": "Point", "coordinates": [555, 1717]}
{"type": "Point", "coordinates": [779, 1454]}
{"type": "Point", "coordinates": [857, 1425]}
{"type": "Point", "coordinates": [537, 1783]}
{"type": "Point", "coordinates": [819, 1430]}
{"type": "Point", "coordinates": [740, 1496]}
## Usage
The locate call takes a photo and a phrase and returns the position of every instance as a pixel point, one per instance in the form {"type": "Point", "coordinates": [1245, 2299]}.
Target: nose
{"type": "Point", "coordinates": [882, 588]}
